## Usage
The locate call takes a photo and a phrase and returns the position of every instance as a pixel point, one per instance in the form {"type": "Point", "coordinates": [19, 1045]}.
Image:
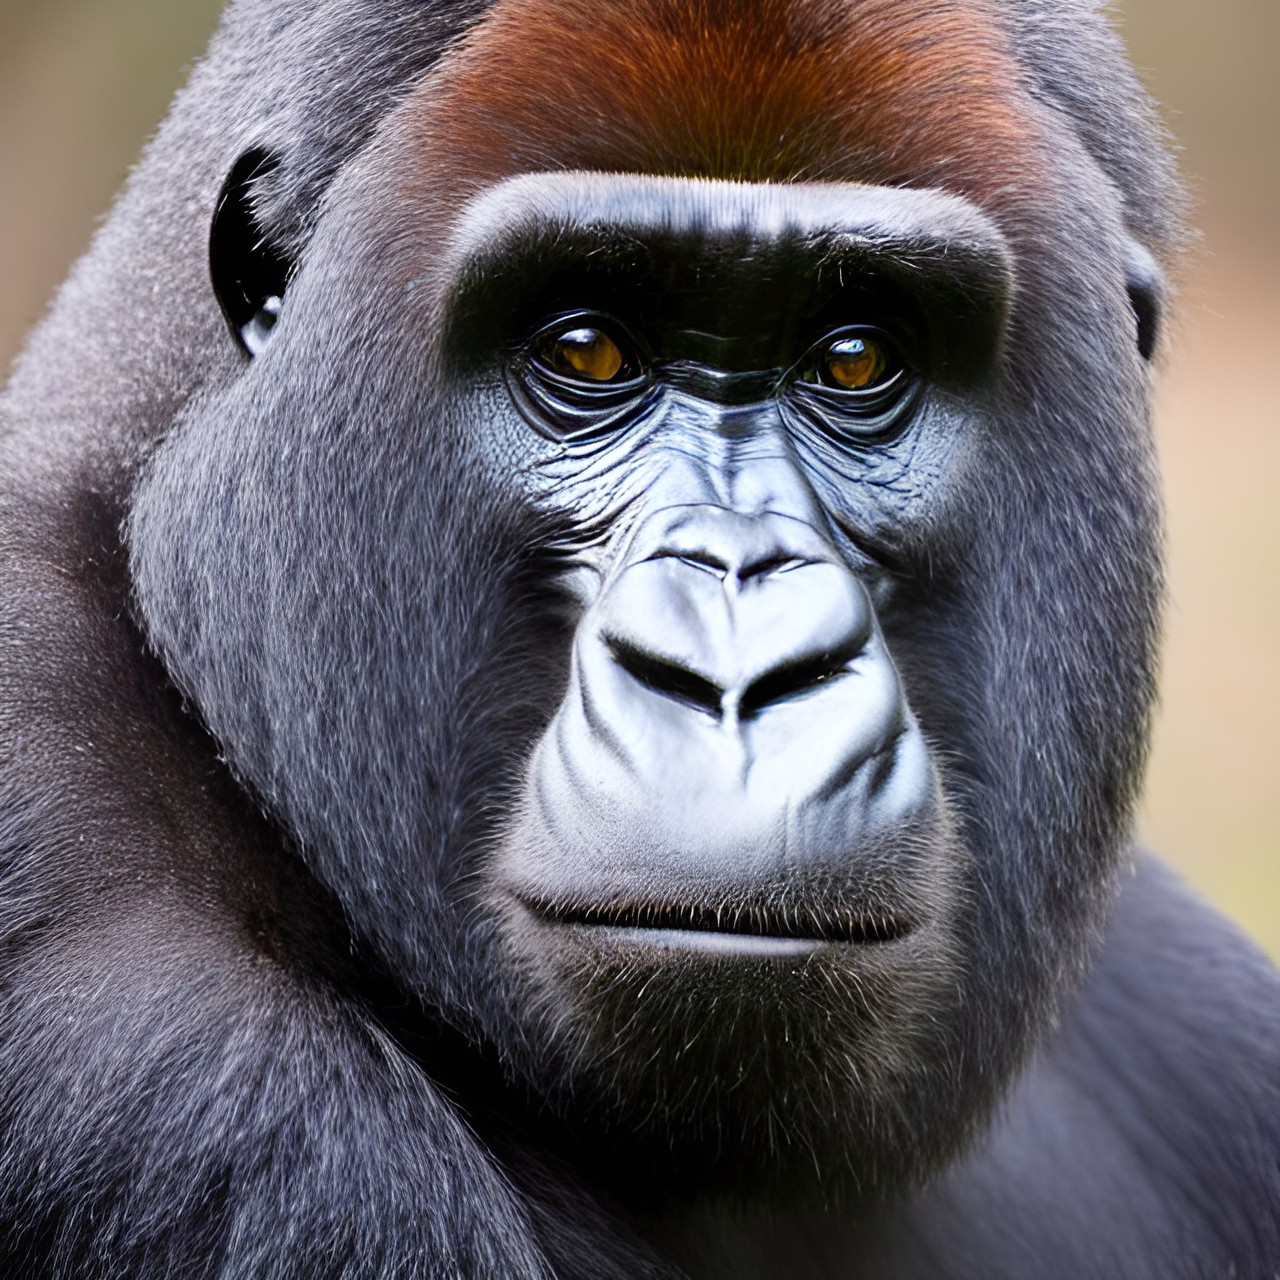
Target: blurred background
{"type": "Point", "coordinates": [83, 82]}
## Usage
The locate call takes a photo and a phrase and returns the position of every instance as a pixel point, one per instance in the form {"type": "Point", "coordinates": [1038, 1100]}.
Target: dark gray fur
{"type": "Point", "coordinates": [214, 1059]}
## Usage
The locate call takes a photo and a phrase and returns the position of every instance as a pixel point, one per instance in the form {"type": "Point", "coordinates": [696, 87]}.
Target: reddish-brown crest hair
{"type": "Point", "coordinates": [888, 91]}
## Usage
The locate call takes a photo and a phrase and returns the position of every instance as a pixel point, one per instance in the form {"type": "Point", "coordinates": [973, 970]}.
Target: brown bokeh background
{"type": "Point", "coordinates": [82, 83]}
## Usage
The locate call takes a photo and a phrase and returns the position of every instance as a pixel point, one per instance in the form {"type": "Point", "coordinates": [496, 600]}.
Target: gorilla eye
{"type": "Point", "coordinates": [585, 354]}
{"type": "Point", "coordinates": [579, 376]}
{"type": "Point", "coordinates": [854, 384]}
{"type": "Point", "coordinates": [854, 362]}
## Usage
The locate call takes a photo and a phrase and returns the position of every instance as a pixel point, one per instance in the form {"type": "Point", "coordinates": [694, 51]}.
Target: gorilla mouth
{"type": "Point", "coordinates": [754, 929]}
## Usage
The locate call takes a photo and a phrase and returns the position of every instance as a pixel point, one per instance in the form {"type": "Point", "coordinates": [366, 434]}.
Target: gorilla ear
{"type": "Point", "coordinates": [249, 274]}
{"type": "Point", "coordinates": [1145, 284]}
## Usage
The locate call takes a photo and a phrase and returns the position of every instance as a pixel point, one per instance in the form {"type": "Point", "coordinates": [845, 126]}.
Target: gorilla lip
{"type": "Point", "coordinates": [754, 930]}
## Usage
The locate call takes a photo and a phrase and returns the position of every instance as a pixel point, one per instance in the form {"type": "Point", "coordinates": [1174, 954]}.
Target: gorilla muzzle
{"type": "Point", "coordinates": [732, 711]}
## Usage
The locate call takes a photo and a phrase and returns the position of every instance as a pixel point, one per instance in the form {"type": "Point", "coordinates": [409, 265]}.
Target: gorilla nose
{"type": "Point", "coordinates": [732, 615]}
{"type": "Point", "coordinates": [730, 665]}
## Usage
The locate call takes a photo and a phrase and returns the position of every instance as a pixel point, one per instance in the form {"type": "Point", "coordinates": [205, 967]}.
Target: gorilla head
{"type": "Point", "coordinates": [678, 554]}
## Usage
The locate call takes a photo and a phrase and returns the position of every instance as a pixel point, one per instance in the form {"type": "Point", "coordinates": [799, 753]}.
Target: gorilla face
{"type": "Point", "coordinates": [734, 795]}
{"type": "Point", "coordinates": [700, 630]}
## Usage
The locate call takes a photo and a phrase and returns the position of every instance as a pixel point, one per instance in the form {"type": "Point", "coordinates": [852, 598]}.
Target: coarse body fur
{"type": "Point", "coordinates": [262, 693]}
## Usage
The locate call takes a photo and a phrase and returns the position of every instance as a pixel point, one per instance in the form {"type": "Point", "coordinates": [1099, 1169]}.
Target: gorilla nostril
{"type": "Point", "coordinates": [762, 568]}
{"type": "Point", "coordinates": [664, 677]}
{"type": "Point", "coordinates": [793, 679]}
{"type": "Point", "coordinates": [703, 560]}
{"type": "Point", "coordinates": [722, 567]}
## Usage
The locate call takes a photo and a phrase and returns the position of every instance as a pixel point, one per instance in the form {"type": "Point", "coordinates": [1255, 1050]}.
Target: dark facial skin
{"type": "Point", "coordinates": [734, 791]}
{"type": "Point", "coordinates": [728, 560]}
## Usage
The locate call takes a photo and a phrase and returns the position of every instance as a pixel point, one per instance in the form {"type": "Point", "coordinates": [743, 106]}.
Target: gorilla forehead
{"type": "Point", "coordinates": [755, 89]}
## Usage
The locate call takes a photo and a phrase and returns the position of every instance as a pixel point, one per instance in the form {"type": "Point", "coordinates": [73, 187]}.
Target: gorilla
{"type": "Point", "coordinates": [580, 589]}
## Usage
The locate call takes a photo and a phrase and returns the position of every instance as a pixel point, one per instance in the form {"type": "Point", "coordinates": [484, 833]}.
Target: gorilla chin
{"type": "Point", "coordinates": [795, 1031]}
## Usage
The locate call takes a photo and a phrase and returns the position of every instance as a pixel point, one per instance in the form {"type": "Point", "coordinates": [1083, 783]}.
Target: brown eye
{"type": "Point", "coordinates": [586, 353]}
{"type": "Point", "coordinates": [857, 363]}
{"type": "Point", "coordinates": [579, 376]}
{"type": "Point", "coordinates": [855, 385]}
